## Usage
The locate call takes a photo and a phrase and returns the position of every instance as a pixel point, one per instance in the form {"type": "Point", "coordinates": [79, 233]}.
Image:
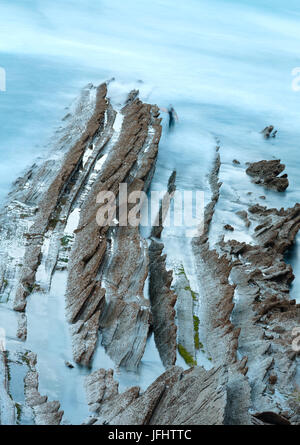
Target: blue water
{"type": "Point", "coordinates": [225, 66]}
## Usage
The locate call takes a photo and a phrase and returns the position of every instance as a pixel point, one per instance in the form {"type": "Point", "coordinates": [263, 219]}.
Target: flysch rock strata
{"type": "Point", "coordinates": [162, 297]}
{"type": "Point", "coordinates": [7, 406]}
{"type": "Point", "coordinates": [264, 312]}
{"type": "Point", "coordinates": [216, 292]}
{"type": "Point", "coordinates": [177, 397]}
{"type": "Point", "coordinates": [249, 314]}
{"type": "Point", "coordinates": [115, 257]}
{"type": "Point", "coordinates": [98, 149]}
{"type": "Point", "coordinates": [48, 226]}
{"type": "Point", "coordinates": [217, 303]}
{"type": "Point", "coordinates": [266, 173]}
{"type": "Point", "coordinates": [57, 179]}
{"type": "Point", "coordinates": [185, 313]}
{"type": "Point", "coordinates": [45, 412]}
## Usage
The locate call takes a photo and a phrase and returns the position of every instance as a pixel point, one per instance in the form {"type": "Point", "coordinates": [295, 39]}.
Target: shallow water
{"type": "Point", "coordinates": [226, 68]}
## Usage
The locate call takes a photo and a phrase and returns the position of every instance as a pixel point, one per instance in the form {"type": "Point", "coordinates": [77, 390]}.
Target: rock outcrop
{"type": "Point", "coordinates": [266, 173]}
{"type": "Point", "coordinates": [116, 255]}
{"type": "Point", "coordinates": [187, 337]}
{"type": "Point", "coordinates": [162, 298]}
{"type": "Point", "coordinates": [45, 412]}
{"type": "Point", "coordinates": [245, 297]}
{"type": "Point", "coordinates": [264, 312]}
{"type": "Point", "coordinates": [177, 397]}
{"type": "Point", "coordinates": [7, 407]}
{"type": "Point", "coordinates": [106, 149]}
{"type": "Point", "coordinates": [68, 223]}
{"type": "Point", "coordinates": [269, 132]}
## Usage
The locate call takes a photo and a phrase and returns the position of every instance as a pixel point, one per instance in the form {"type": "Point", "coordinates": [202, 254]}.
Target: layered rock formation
{"type": "Point", "coordinates": [251, 329]}
{"type": "Point", "coordinates": [162, 297]}
{"type": "Point", "coordinates": [66, 222]}
{"type": "Point", "coordinates": [266, 173]}
{"type": "Point", "coordinates": [7, 407]}
{"type": "Point", "coordinates": [178, 397]}
{"type": "Point", "coordinates": [51, 225]}
{"type": "Point", "coordinates": [117, 256]}
{"type": "Point", "coordinates": [112, 148]}
{"type": "Point", "coordinates": [263, 311]}
{"type": "Point", "coordinates": [45, 412]}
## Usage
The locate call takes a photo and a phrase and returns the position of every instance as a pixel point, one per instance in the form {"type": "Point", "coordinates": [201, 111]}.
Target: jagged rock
{"type": "Point", "coordinates": [269, 132]}
{"type": "Point", "coordinates": [266, 173]}
{"type": "Point", "coordinates": [215, 186]}
{"type": "Point", "coordinates": [213, 278]}
{"type": "Point", "coordinates": [125, 317]}
{"type": "Point", "coordinates": [49, 201]}
{"type": "Point", "coordinates": [45, 413]}
{"type": "Point", "coordinates": [248, 317]}
{"type": "Point", "coordinates": [70, 182]}
{"type": "Point", "coordinates": [177, 397]}
{"type": "Point", "coordinates": [264, 309]}
{"type": "Point", "coordinates": [244, 216]}
{"type": "Point", "coordinates": [22, 327]}
{"type": "Point", "coordinates": [217, 302]}
{"type": "Point", "coordinates": [229, 227]}
{"type": "Point", "coordinates": [221, 337]}
{"type": "Point", "coordinates": [270, 418]}
{"type": "Point", "coordinates": [69, 365]}
{"type": "Point", "coordinates": [184, 313]}
{"type": "Point", "coordinates": [162, 298]}
{"type": "Point", "coordinates": [7, 407]}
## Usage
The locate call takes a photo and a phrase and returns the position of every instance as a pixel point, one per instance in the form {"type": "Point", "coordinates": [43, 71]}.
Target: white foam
{"type": "Point", "coordinates": [73, 221]}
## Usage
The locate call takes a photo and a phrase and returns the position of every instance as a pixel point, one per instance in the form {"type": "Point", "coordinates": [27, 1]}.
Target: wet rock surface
{"type": "Point", "coordinates": [45, 412]}
{"type": "Point", "coordinates": [118, 288]}
{"type": "Point", "coordinates": [50, 224]}
{"type": "Point", "coordinates": [269, 132]}
{"type": "Point", "coordinates": [266, 173]}
{"type": "Point", "coordinates": [178, 397]}
{"type": "Point", "coordinates": [245, 292]}
{"type": "Point", "coordinates": [185, 315]}
{"type": "Point", "coordinates": [162, 297]}
{"type": "Point", "coordinates": [122, 264]}
{"type": "Point", "coordinates": [263, 307]}
{"type": "Point", "coordinates": [7, 407]}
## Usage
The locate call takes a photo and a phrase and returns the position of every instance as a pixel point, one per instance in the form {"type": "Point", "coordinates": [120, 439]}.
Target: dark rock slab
{"type": "Point", "coordinates": [266, 173]}
{"type": "Point", "coordinates": [177, 397]}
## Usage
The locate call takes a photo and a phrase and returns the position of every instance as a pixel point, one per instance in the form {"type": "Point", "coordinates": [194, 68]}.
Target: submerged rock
{"type": "Point", "coordinates": [229, 228]}
{"type": "Point", "coordinates": [69, 365]}
{"type": "Point", "coordinates": [269, 132]}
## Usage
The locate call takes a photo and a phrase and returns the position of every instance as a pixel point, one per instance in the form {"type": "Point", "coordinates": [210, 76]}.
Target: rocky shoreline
{"type": "Point", "coordinates": [118, 289]}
